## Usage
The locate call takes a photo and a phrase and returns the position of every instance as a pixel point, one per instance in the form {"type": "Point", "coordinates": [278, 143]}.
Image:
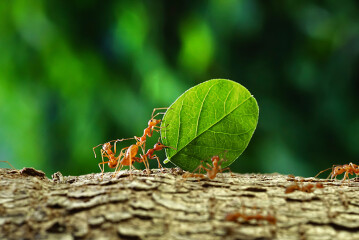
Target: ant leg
{"type": "Point", "coordinates": [102, 170]}
{"type": "Point", "coordinates": [200, 167]}
{"type": "Point", "coordinates": [122, 153]}
{"type": "Point", "coordinates": [103, 154]}
{"type": "Point", "coordinates": [158, 160]}
{"type": "Point", "coordinates": [138, 141]}
{"type": "Point", "coordinates": [193, 174]}
{"type": "Point", "coordinates": [119, 165]}
{"type": "Point", "coordinates": [130, 169]}
{"type": "Point", "coordinates": [141, 144]}
{"type": "Point", "coordinates": [222, 160]}
{"type": "Point", "coordinates": [9, 164]}
{"type": "Point", "coordinates": [346, 175]}
{"type": "Point", "coordinates": [103, 161]}
{"type": "Point", "coordinates": [155, 109]}
{"type": "Point", "coordinates": [227, 168]}
{"type": "Point", "coordinates": [321, 172]}
{"type": "Point", "coordinates": [154, 129]}
{"type": "Point", "coordinates": [93, 149]}
{"type": "Point", "coordinates": [209, 165]}
{"type": "Point", "coordinates": [118, 140]}
{"type": "Point", "coordinates": [143, 158]}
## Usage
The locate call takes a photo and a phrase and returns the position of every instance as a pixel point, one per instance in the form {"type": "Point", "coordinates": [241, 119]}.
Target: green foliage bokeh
{"type": "Point", "coordinates": [76, 74]}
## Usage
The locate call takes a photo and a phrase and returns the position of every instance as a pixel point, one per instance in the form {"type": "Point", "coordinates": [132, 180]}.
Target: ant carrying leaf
{"type": "Point", "coordinates": [152, 126]}
{"type": "Point", "coordinates": [127, 155]}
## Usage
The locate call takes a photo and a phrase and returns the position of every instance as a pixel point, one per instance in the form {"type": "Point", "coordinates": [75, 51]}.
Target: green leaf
{"type": "Point", "coordinates": [217, 117]}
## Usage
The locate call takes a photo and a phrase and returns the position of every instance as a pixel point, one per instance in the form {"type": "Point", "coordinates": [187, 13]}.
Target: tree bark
{"type": "Point", "coordinates": [163, 205]}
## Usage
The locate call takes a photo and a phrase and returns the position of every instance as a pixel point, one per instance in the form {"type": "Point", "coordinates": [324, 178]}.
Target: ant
{"type": "Point", "coordinates": [304, 188]}
{"type": "Point", "coordinates": [211, 170]}
{"type": "Point", "coordinates": [106, 151]}
{"type": "Point", "coordinates": [150, 153]}
{"type": "Point", "coordinates": [234, 216]}
{"type": "Point", "coordinates": [129, 157]}
{"type": "Point", "coordinates": [152, 126]}
{"type": "Point", "coordinates": [350, 168]}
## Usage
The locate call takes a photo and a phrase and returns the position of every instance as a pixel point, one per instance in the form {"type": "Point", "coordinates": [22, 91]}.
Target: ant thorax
{"type": "Point", "coordinates": [215, 159]}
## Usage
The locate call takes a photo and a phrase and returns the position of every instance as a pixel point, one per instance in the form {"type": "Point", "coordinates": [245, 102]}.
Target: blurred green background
{"type": "Point", "coordinates": [74, 74]}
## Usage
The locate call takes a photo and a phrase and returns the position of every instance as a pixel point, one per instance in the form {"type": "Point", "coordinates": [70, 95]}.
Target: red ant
{"type": "Point", "coordinates": [304, 188]}
{"type": "Point", "coordinates": [152, 125]}
{"type": "Point", "coordinates": [129, 157]}
{"type": "Point", "coordinates": [125, 158]}
{"type": "Point", "coordinates": [211, 170]}
{"type": "Point", "coordinates": [106, 151]}
{"type": "Point", "coordinates": [350, 168]}
{"type": "Point", "coordinates": [234, 216]}
{"type": "Point", "coordinates": [150, 152]}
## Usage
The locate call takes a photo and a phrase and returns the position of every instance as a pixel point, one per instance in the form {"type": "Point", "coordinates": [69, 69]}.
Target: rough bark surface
{"type": "Point", "coordinates": [163, 205]}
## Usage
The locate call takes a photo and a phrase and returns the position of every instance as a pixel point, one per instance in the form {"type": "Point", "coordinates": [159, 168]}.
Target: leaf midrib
{"type": "Point", "coordinates": [200, 111]}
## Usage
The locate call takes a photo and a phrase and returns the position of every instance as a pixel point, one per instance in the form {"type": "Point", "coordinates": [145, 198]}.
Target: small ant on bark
{"type": "Point", "coordinates": [304, 188]}
{"type": "Point", "coordinates": [211, 170]}
{"type": "Point", "coordinates": [234, 216]}
{"type": "Point", "coordinates": [350, 168]}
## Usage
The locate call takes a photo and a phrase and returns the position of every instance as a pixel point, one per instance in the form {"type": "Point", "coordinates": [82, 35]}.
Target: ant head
{"type": "Point", "coordinates": [106, 146]}
{"type": "Point", "coordinates": [153, 122]}
{"type": "Point", "coordinates": [159, 144]}
{"type": "Point", "coordinates": [215, 159]}
{"type": "Point", "coordinates": [338, 170]}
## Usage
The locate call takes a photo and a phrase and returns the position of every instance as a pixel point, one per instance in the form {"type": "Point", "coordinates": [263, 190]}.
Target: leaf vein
{"type": "Point", "coordinates": [200, 110]}
{"type": "Point", "coordinates": [179, 123]}
{"type": "Point", "coordinates": [203, 146]}
{"type": "Point", "coordinates": [225, 101]}
{"type": "Point", "coordinates": [225, 115]}
{"type": "Point", "coordinates": [235, 134]}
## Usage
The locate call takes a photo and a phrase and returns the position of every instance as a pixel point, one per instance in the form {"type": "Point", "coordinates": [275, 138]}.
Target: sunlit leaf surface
{"type": "Point", "coordinates": [217, 117]}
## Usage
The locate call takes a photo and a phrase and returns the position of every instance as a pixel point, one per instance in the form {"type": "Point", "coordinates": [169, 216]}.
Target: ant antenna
{"type": "Point", "coordinates": [322, 172]}
{"type": "Point", "coordinates": [96, 147]}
